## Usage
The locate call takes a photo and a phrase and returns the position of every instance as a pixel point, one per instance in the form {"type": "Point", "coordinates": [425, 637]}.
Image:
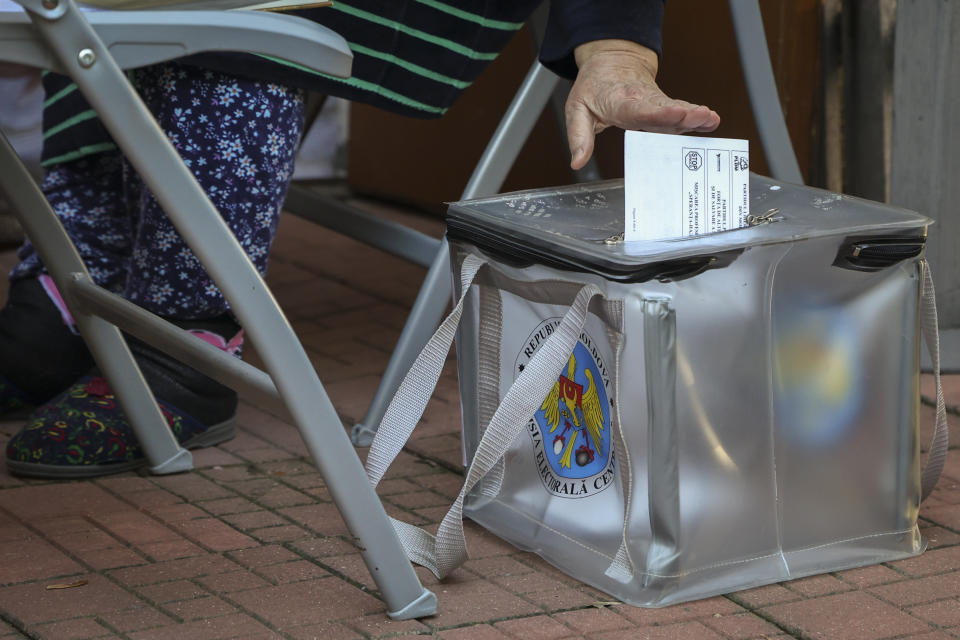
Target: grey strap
{"type": "Point", "coordinates": [663, 472]}
{"type": "Point", "coordinates": [521, 401]}
{"type": "Point", "coordinates": [489, 340]}
{"type": "Point", "coordinates": [621, 569]}
{"type": "Point", "coordinates": [410, 401]}
{"type": "Point", "coordinates": [448, 550]}
{"type": "Point", "coordinates": [937, 454]}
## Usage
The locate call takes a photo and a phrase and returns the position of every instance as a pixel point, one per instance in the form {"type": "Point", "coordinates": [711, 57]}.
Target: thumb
{"type": "Point", "coordinates": [580, 133]}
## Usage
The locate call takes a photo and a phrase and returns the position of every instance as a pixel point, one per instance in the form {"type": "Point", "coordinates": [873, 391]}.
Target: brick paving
{"type": "Point", "coordinates": [249, 545]}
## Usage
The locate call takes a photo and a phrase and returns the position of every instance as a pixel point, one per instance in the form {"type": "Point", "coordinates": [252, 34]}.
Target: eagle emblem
{"type": "Point", "coordinates": [574, 420]}
{"type": "Point", "coordinates": [581, 412]}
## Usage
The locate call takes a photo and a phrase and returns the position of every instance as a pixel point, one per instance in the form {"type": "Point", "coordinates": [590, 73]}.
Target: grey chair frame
{"type": "Point", "coordinates": [93, 48]}
{"type": "Point", "coordinates": [501, 153]}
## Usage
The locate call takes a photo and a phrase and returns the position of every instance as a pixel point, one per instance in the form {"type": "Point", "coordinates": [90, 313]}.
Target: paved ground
{"type": "Point", "coordinates": [250, 546]}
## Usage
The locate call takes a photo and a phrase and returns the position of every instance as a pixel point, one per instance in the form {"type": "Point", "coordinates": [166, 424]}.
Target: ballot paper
{"type": "Point", "coordinates": [680, 186]}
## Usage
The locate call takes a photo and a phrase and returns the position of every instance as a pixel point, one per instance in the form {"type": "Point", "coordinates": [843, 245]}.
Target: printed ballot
{"type": "Point", "coordinates": [680, 186]}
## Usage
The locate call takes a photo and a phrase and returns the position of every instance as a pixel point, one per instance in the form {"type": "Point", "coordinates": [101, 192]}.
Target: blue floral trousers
{"type": "Point", "coordinates": [237, 136]}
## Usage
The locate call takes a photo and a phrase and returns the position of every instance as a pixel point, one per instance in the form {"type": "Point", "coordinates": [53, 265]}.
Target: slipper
{"type": "Point", "coordinates": [83, 432]}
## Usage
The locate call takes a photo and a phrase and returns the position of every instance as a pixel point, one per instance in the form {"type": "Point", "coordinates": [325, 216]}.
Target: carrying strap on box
{"type": "Point", "coordinates": [410, 401]}
{"type": "Point", "coordinates": [448, 549]}
{"type": "Point", "coordinates": [621, 568]}
{"type": "Point", "coordinates": [937, 454]}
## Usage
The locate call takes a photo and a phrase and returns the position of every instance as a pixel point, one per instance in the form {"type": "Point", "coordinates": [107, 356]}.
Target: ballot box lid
{"type": "Point", "coordinates": [580, 227]}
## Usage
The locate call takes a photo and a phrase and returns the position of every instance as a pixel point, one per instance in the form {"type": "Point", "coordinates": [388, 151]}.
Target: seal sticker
{"type": "Point", "coordinates": [571, 429]}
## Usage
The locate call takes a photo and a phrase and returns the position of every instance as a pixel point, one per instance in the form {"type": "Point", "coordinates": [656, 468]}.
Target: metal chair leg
{"type": "Point", "coordinates": [434, 295]}
{"type": "Point", "coordinates": [426, 314]}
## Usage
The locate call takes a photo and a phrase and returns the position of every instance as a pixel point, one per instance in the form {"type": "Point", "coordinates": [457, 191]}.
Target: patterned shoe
{"type": "Point", "coordinates": [84, 433]}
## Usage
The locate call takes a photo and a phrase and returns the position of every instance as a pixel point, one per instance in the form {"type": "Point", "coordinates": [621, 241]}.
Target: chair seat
{"type": "Point", "coordinates": [175, 34]}
{"type": "Point", "coordinates": [196, 5]}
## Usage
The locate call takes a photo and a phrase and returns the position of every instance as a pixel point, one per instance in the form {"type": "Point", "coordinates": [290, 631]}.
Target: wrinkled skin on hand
{"type": "Point", "coordinates": [616, 86]}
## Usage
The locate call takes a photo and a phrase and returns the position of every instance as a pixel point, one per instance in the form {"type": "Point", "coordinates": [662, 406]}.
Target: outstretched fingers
{"type": "Point", "coordinates": [661, 114]}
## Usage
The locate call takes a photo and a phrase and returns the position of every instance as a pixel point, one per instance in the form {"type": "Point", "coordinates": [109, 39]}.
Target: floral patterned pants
{"type": "Point", "coordinates": [237, 136]}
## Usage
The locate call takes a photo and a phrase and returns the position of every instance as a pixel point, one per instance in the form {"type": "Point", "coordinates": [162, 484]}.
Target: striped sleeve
{"type": "Point", "coordinates": [413, 57]}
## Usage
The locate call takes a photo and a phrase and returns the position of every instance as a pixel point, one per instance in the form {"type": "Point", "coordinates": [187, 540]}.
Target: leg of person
{"type": "Point", "coordinates": [40, 351]}
{"type": "Point", "coordinates": [239, 139]}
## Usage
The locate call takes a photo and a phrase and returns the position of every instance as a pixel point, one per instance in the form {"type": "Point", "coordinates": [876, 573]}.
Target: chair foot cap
{"type": "Point", "coordinates": [361, 435]}
{"type": "Point", "coordinates": [180, 462]}
{"type": "Point", "coordinates": [424, 605]}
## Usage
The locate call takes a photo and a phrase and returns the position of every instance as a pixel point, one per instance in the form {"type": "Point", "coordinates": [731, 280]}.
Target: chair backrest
{"type": "Point", "coordinates": [762, 89]}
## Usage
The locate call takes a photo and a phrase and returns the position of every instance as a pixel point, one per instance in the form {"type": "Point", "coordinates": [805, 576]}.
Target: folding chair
{"type": "Point", "coordinates": [93, 48]}
{"type": "Point", "coordinates": [502, 151]}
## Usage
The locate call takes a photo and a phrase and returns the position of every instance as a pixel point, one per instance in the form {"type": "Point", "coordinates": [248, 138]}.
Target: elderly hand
{"type": "Point", "coordinates": [616, 86]}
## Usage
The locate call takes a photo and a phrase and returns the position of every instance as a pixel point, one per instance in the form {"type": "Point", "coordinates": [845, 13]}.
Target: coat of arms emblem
{"type": "Point", "coordinates": [571, 429]}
